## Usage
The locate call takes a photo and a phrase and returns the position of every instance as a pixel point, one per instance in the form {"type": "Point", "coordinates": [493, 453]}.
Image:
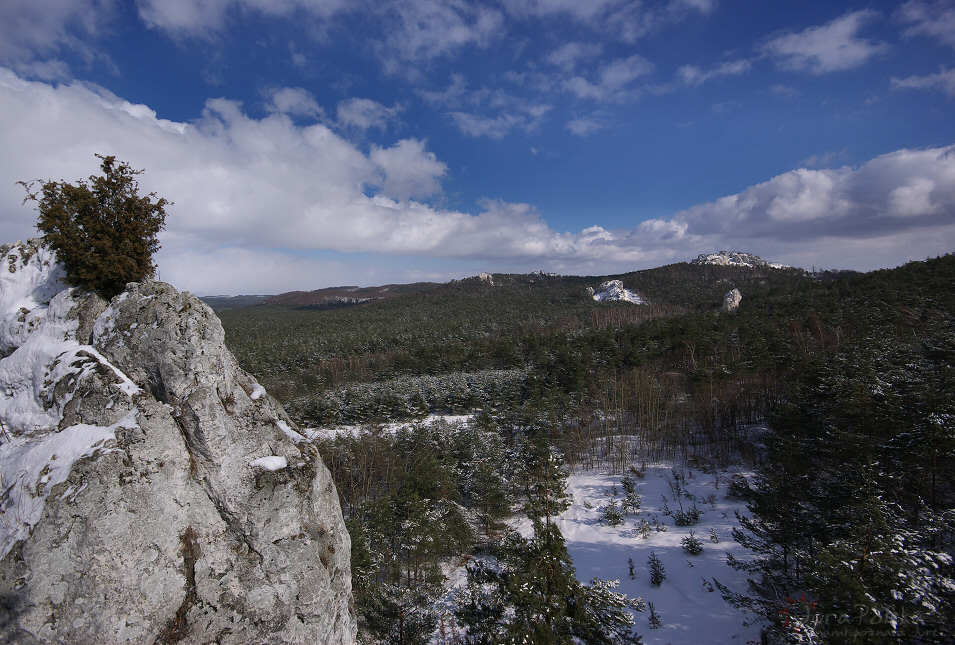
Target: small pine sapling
{"type": "Point", "coordinates": [644, 528]}
{"type": "Point", "coordinates": [631, 502]}
{"type": "Point", "coordinates": [688, 517]}
{"type": "Point", "coordinates": [692, 544]}
{"type": "Point", "coordinates": [654, 617]}
{"type": "Point", "coordinates": [633, 576]}
{"type": "Point", "coordinates": [714, 536]}
{"type": "Point", "coordinates": [657, 572]}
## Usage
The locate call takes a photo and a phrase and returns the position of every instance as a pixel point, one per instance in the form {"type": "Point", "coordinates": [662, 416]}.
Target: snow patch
{"type": "Point", "coordinates": [291, 434]}
{"type": "Point", "coordinates": [257, 392]}
{"type": "Point", "coordinates": [272, 463]}
{"type": "Point", "coordinates": [690, 608]}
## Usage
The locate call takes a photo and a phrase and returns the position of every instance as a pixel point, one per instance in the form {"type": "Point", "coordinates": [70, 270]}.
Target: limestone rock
{"type": "Point", "coordinates": [167, 526]}
{"type": "Point", "coordinates": [731, 300]}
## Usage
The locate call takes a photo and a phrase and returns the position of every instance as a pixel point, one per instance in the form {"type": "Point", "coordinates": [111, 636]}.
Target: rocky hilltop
{"type": "Point", "coordinates": [736, 259]}
{"type": "Point", "coordinates": [152, 491]}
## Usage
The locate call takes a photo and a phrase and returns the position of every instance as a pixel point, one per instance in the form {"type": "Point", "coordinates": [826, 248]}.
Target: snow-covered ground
{"type": "Point", "coordinates": [690, 609]}
{"type": "Point", "coordinates": [330, 432]}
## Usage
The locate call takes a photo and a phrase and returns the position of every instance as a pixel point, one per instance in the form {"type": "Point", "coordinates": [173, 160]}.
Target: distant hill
{"type": "Point", "coordinates": [224, 303]}
{"type": "Point", "coordinates": [737, 259]}
{"type": "Point", "coordinates": [333, 297]}
{"type": "Point", "coordinates": [599, 288]}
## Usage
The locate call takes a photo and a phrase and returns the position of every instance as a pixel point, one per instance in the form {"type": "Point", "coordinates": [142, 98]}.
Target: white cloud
{"type": "Point", "coordinates": [496, 113]}
{"type": "Point", "coordinates": [294, 101]}
{"type": "Point", "coordinates": [692, 75]}
{"type": "Point", "coordinates": [419, 31]}
{"type": "Point", "coordinates": [266, 204]}
{"type": "Point", "coordinates": [31, 30]}
{"type": "Point", "coordinates": [201, 18]}
{"type": "Point", "coordinates": [833, 47]}
{"type": "Point", "coordinates": [894, 194]}
{"type": "Point", "coordinates": [943, 81]}
{"type": "Point", "coordinates": [933, 19]}
{"type": "Point", "coordinates": [410, 172]}
{"type": "Point", "coordinates": [585, 125]}
{"type": "Point", "coordinates": [496, 127]}
{"type": "Point", "coordinates": [612, 80]}
{"type": "Point", "coordinates": [623, 19]}
{"type": "Point", "coordinates": [568, 55]}
{"type": "Point", "coordinates": [365, 114]}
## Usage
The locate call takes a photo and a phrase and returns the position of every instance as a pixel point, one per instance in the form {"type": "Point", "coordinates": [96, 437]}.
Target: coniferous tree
{"type": "Point", "coordinates": [104, 232]}
{"type": "Point", "coordinates": [531, 594]}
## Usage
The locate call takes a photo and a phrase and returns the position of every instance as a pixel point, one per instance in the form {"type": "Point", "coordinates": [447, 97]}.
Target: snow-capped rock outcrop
{"type": "Point", "coordinates": [731, 300]}
{"type": "Point", "coordinates": [614, 291]}
{"type": "Point", "coordinates": [151, 490]}
{"type": "Point", "coordinates": [736, 259]}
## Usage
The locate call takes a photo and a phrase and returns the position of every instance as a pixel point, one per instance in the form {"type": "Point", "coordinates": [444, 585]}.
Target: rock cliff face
{"type": "Point", "coordinates": [152, 491]}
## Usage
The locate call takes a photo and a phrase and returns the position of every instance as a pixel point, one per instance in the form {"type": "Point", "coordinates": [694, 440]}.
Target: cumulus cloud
{"type": "Point", "coordinates": [272, 203]}
{"type": "Point", "coordinates": [833, 47]}
{"type": "Point", "coordinates": [294, 101]}
{"type": "Point", "coordinates": [409, 170]}
{"type": "Point", "coordinates": [907, 192]}
{"type": "Point", "coordinates": [263, 186]}
{"type": "Point", "coordinates": [33, 30]}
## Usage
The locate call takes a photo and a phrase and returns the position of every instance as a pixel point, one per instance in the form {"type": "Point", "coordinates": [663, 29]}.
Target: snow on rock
{"type": "Point", "coordinates": [271, 463]}
{"type": "Point", "coordinates": [33, 468]}
{"type": "Point", "coordinates": [736, 259]}
{"type": "Point", "coordinates": [614, 291]}
{"type": "Point", "coordinates": [129, 511]}
{"type": "Point", "coordinates": [29, 278]}
{"type": "Point", "coordinates": [257, 392]}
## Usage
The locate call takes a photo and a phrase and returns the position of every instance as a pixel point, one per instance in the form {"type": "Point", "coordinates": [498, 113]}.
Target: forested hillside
{"type": "Point", "coordinates": [837, 390]}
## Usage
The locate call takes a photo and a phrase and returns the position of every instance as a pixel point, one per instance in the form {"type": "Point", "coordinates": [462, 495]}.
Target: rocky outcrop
{"type": "Point", "coordinates": [614, 291]}
{"type": "Point", "coordinates": [736, 259]}
{"type": "Point", "coordinates": [731, 300]}
{"type": "Point", "coordinates": [154, 492]}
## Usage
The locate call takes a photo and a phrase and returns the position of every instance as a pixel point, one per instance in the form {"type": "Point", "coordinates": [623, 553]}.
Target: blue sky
{"type": "Point", "coordinates": [311, 143]}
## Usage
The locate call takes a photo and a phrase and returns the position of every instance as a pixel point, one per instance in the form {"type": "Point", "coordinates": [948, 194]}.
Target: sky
{"type": "Point", "coordinates": [315, 143]}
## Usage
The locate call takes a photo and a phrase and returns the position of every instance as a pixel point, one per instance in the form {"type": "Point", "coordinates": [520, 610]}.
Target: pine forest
{"type": "Point", "coordinates": [453, 416]}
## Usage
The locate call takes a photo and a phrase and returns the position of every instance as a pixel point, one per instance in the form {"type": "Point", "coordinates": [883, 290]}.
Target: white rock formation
{"type": "Point", "coordinates": [737, 259]}
{"type": "Point", "coordinates": [144, 497]}
{"type": "Point", "coordinates": [614, 291]}
{"type": "Point", "coordinates": [731, 300]}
